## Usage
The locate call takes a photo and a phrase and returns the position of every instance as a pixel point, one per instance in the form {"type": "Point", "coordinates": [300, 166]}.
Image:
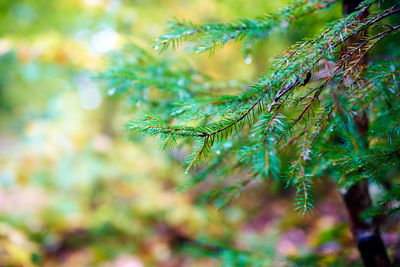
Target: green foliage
{"type": "Point", "coordinates": [209, 37]}
{"type": "Point", "coordinates": [295, 106]}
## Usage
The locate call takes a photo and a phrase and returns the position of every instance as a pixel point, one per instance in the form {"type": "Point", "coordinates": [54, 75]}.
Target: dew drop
{"type": "Point", "coordinates": [181, 82]}
{"type": "Point", "coordinates": [218, 152]}
{"type": "Point", "coordinates": [156, 47]}
{"type": "Point", "coordinates": [247, 60]}
{"type": "Point", "coordinates": [138, 104]}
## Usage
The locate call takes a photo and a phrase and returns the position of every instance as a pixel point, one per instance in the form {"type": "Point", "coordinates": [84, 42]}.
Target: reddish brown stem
{"type": "Point", "coordinates": [357, 198]}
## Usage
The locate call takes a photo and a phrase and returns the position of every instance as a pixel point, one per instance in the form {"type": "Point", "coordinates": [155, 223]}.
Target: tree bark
{"type": "Point", "coordinates": [357, 198]}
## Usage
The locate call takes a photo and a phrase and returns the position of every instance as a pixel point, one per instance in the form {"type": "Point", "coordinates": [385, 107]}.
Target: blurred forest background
{"type": "Point", "coordinates": [75, 191]}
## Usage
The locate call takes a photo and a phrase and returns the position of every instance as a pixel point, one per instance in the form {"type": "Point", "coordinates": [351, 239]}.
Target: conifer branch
{"type": "Point", "coordinates": [209, 37]}
{"type": "Point", "coordinates": [210, 120]}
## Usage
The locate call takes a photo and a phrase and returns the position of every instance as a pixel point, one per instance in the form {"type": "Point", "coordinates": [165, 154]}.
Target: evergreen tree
{"type": "Point", "coordinates": [322, 98]}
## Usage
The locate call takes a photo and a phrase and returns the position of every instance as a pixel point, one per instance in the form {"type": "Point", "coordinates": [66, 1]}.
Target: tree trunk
{"type": "Point", "coordinates": [357, 198]}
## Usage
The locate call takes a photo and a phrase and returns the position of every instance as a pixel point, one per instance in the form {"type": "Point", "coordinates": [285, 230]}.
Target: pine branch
{"type": "Point", "coordinates": [254, 120]}
{"type": "Point", "coordinates": [210, 37]}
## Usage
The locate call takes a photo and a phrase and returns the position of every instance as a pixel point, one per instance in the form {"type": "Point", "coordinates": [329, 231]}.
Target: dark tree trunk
{"type": "Point", "coordinates": [366, 234]}
{"type": "Point", "coordinates": [357, 198]}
